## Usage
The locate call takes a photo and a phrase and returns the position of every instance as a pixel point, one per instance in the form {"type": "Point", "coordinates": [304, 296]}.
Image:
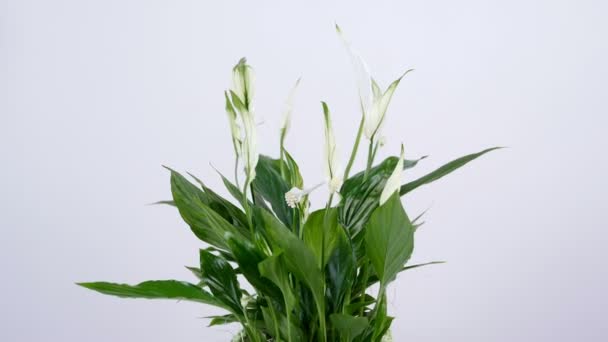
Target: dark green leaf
{"type": "Point", "coordinates": [340, 271]}
{"type": "Point", "coordinates": [360, 197]}
{"type": "Point", "coordinates": [274, 269]}
{"type": "Point", "coordinates": [442, 171]}
{"type": "Point", "coordinates": [156, 289]}
{"type": "Point", "coordinates": [224, 207]}
{"type": "Point", "coordinates": [389, 239]}
{"type": "Point", "coordinates": [269, 184]}
{"type": "Point", "coordinates": [299, 260]}
{"type": "Point", "coordinates": [207, 225]}
{"type": "Point", "coordinates": [348, 326]}
{"type": "Point", "coordinates": [374, 279]}
{"type": "Point", "coordinates": [248, 258]}
{"type": "Point", "coordinates": [219, 276]}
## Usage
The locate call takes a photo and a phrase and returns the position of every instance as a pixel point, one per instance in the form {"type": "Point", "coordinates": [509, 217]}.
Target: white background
{"type": "Point", "coordinates": [96, 95]}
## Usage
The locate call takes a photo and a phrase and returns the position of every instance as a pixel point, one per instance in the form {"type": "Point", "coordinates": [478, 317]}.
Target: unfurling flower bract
{"type": "Point", "coordinates": [286, 124]}
{"type": "Point", "coordinates": [235, 129]}
{"type": "Point", "coordinates": [374, 103]}
{"type": "Point", "coordinates": [241, 96]}
{"type": "Point", "coordinates": [332, 165]}
{"type": "Point", "coordinates": [393, 183]}
{"type": "Point", "coordinates": [242, 82]}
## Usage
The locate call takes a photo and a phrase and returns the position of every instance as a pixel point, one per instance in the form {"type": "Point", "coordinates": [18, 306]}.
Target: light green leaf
{"type": "Point", "coordinates": [348, 326]}
{"type": "Point", "coordinates": [321, 233]}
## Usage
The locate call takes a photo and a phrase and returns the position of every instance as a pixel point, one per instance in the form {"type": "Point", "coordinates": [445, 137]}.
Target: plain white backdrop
{"type": "Point", "coordinates": [96, 95]}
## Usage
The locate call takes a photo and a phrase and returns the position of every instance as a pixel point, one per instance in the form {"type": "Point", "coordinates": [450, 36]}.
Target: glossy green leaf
{"type": "Point", "coordinates": [248, 257]}
{"type": "Point", "coordinates": [156, 289]}
{"type": "Point", "coordinates": [299, 260]}
{"type": "Point", "coordinates": [340, 271]}
{"type": "Point", "coordinates": [221, 320]}
{"type": "Point", "coordinates": [389, 239]}
{"type": "Point", "coordinates": [321, 234]}
{"type": "Point", "coordinates": [206, 223]}
{"type": "Point", "coordinates": [294, 176]}
{"type": "Point", "coordinates": [219, 276]}
{"type": "Point", "coordinates": [348, 326]}
{"type": "Point", "coordinates": [275, 270]}
{"type": "Point", "coordinates": [374, 279]}
{"type": "Point", "coordinates": [269, 184]}
{"type": "Point", "coordinates": [360, 197]}
{"type": "Point", "coordinates": [442, 171]}
{"type": "Point", "coordinates": [223, 207]}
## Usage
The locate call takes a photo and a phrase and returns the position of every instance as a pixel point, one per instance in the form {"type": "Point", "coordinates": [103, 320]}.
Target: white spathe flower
{"type": "Point", "coordinates": [286, 124]}
{"type": "Point", "coordinates": [235, 129]}
{"type": "Point", "coordinates": [242, 82]}
{"type": "Point", "coordinates": [374, 102]}
{"type": "Point", "coordinates": [241, 96]}
{"type": "Point", "coordinates": [249, 148]}
{"type": "Point", "coordinates": [393, 183]}
{"type": "Point", "coordinates": [296, 195]}
{"type": "Point", "coordinates": [332, 166]}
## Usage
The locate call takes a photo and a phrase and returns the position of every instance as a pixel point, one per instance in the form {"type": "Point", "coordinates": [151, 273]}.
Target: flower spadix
{"type": "Point", "coordinates": [241, 95]}
{"type": "Point", "coordinates": [393, 183]}
{"type": "Point", "coordinates": [296, 195]}
{"type": "Point", "coordinates": [374, 102]}
{"type": "Point", "coordinates": [332, 165]}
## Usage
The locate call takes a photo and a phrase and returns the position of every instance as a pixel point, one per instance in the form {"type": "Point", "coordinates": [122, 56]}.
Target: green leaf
{"type": "Point", "coordinates": [299, 260]}
{"type": "Point", "coordinates": [360, 197]}
{"type": "Point", "coordinates": [219, 276]}
{"type": "Point", "coordinates": [374, 279]}
{"type": "Point", "coordinates": [269, 184]}
{"type": "Point", "coordinates": [221, 320]}
{"type": "Point", "coordinates": [348, 326]}
{"type": "Point", "coordinates": [389, 239]}
{"type": "Point", "coordinates": [294, 176]}
{"type": "Point", "coordinates": [248, 258]}
{"type": "Point", "coordinates": [155, 289]}
{"type": "Point", "coordinates": [321, 233]}
{"type": "Point", "coordinates": [169, 203]}
{"type": "Point", "coordinates": [381, 321]}
{"type": "Point", "coordinates": [442, 171]}
{"type": "Point", "coordinates": [340, 271]}
{"type": "Point", "coordinates": [274, 269]}
{"type": "Point", "coordinates": [222, 206]}
{"type": "Point", "coordinates": [206, 223]}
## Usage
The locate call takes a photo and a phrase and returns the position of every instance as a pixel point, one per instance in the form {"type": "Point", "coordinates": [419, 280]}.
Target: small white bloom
{"type": "Point", "coordinates": [249, 146]}
{"type": "Point", "coordinates": [235, 129]}
{"type": "Point", "coordinates": [295, 195]}
{"type": "Point", "coordinates": [393, 183]}
{"type": "Point", "coordinates": [332, 166]}
{"type": "Point", "coordinates": [245, 300]}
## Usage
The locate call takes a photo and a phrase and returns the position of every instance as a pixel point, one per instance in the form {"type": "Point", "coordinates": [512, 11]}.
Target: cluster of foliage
{"type": "Point", "coordinates": [308, 273]}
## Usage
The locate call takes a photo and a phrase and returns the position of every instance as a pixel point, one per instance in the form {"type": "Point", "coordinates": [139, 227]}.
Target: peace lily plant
{"type": "Point", "coordinates": [310, 276]}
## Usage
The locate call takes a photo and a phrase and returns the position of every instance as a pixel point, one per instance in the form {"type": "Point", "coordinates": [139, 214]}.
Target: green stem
{"type": "Point", "coordinates": [277, 335]}
{"type": "Point", "coordinates": [370, 158]}
{"type": "Point", "coordinates": [353, 153]}
{"type": "Point", "coordinates": [365, 280]}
